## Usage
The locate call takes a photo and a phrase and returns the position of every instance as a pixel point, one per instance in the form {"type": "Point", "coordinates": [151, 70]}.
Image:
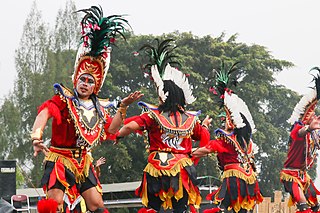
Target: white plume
{"type": "Point", "coordinates": [300, 108]}
{"type": "Point", "coordinates": [180, 80]}
{"type": "Point", "coordinates": [236, 106]}
{"type": "Point", "coordinates": [158, 81]}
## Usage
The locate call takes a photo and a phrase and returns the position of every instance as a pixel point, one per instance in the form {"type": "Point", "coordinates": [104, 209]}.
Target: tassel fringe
{"type": "Point", "coordinates": [171, 172]}
{"type": "Point", "coordinates": [80, 176]}
{"type": "Point", "coordinates": [235, 173]}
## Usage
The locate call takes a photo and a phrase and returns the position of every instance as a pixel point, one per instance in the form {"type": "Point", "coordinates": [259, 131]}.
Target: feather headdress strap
{"type": "Point", "coordinates": [307, 104]}
{"type": "Point", "coordinates": [234, 106]}
{"type": "Point", "coordinates": [160, 67]}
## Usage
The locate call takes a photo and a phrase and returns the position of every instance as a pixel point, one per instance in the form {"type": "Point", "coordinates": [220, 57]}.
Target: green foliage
{"type": "Point", "coordinates": [20, 179]}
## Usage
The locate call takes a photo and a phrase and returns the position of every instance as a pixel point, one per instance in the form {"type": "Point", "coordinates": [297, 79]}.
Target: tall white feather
{"type": "Point", "coordinates": [180, 80]}
{"type": "Point", "coordinates": [236, 106]}
{"type": "Point", "coordinates": [300, 108]}
{"type": "Point", "coordinates": [159, 83]}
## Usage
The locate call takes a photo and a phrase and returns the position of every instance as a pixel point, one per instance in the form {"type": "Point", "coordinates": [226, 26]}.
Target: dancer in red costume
{"type": "Point", "coordinates": [80, 120]}
{"type": "Point", "coordinates": [303, 144]}
{"type": "Point", "coordinates": [239, 191]}
{"type": "Point", "coordinates": [169, 179]}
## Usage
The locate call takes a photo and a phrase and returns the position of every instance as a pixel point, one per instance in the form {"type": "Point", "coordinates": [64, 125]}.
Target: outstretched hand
{"type": "Point", "coordinates": [207, 121]}
{"type": "Point", "coordinates": [100, 161]}
{"type": "Point", "coordinates": [132, 97]}
{"type": "Point", "coordinates": [38, 146]}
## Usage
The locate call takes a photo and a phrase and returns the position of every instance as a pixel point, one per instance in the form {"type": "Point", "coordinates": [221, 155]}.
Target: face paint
{"type": "Point", "coordinates": [85, 86]}
{"type": "Point", "coordinates": [86, 79]}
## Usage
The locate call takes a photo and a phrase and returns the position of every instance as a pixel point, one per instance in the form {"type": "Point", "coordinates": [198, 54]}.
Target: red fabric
{"type": "Point", "coordinates": [158, 164]}
{"type": "Point", "coordinates": [239, 193]}
{"type": "Point", "coordinates": [192, 209]}
{"type": "Point", "coordinates": [296, 191]}
{"type": "Point", "coordinates": [201, 134]}
{"type": "Point", "coordinates": [52, 180]}
{"type": "Point", "coordinates": [53, 108]}
{"type": "Point", "coordinates": [146, 210]}
{"type": "Point", "coordinates": [139, 190]}
{"type": "Point", "coordinates": [47, 206]}
{"type": "Point", "coordinates": [63, 127]}
{"type": "Point", "coordinates": [218, 146]}
{"type": "Point", "coordinates": [258, 197]}
{"type": "Point", "coordinates": [296, 155]}
{"type": "Point", "coordinates": [185, 179]}
{"type": "Point", "coordinates": [210, 196]}
{"type": "Point", "coordinates": [156, 142]}
{"type": "Point", "coordinates": [136, 119]}
{"type": "Point", "coordinates": [213, 210]}
{"type": "Point", "coordinates": [226, 151]}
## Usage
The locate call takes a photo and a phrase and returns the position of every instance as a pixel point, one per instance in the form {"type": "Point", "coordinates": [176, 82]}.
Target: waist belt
{"type": "Point", "coordinates": [69, 152]}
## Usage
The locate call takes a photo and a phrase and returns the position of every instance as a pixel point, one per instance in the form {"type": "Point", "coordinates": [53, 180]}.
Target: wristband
{"type": "Point", "coordinates": [37, 134]}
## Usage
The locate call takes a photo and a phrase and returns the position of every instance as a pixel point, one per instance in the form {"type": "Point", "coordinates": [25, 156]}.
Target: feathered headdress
{"type": "Point", "coordinates": [234, 106]}
{"type": "Point", "coordinates": [307, 104]}
{"type": "Point", "coordinates": [160, 68]}
{"type": "Point", "coordinates": [98, 33]}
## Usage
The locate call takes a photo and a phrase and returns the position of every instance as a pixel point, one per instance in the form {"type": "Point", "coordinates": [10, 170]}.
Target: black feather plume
{"type": "Point", "coordinates": [99, 32]}
{"type": "Point", "coordinates": [316, 79]}
{"type": "Point", "coordinates": [160, 55]}
{"type": "Point", "coordinates": [223, 81]}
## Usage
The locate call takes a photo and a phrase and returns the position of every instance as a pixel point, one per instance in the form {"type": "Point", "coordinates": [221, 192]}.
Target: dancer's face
{"type": "Point", "coordinates": [85, 86]}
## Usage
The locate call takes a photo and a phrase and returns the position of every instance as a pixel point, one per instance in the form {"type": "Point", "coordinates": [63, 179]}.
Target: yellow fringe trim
{"type": "Point", "coordinates": [286, 177]}
{"type": "Point", "coordinates": [193, 197]}
{"type": "Point", "coordinates": [236, 173]}
{"type": "Point", "coordinates": [166, 198]}
{"type": "Point", "coordinates": [171, 172]}
{"type": "Point", "coordinates": [290, 178]}
{"type": "Point", "coordinates": [145, 200]}
{"type": "Point", "coordinates": [80, 177]}
{"type": "Point", "coordinates": [179, 193]}
{"type": "Point", "coordinates": [244, 205]}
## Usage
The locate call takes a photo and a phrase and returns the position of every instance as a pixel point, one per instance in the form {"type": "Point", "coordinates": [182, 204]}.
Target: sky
{"type": "Point", "coordinates": [289, 29]}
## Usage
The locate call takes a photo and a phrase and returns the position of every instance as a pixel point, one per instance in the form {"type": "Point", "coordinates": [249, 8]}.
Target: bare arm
{"type": "Point", "coordinates": [37, 130]}
{"type": "Point", "coordinates": [128, 128]}
{"type": "Point", "coordinates": [121, 113]}
{"type": "Point", "coordinates": [200, 152]}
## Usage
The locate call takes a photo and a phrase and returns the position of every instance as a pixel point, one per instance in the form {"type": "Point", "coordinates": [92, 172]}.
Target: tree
{"type": "Point", "coordinates": [40, 62]}
{"type": "Point", "coordinates": [30, 85]}
{"type": "Point", "coordinates": [66, 31]}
